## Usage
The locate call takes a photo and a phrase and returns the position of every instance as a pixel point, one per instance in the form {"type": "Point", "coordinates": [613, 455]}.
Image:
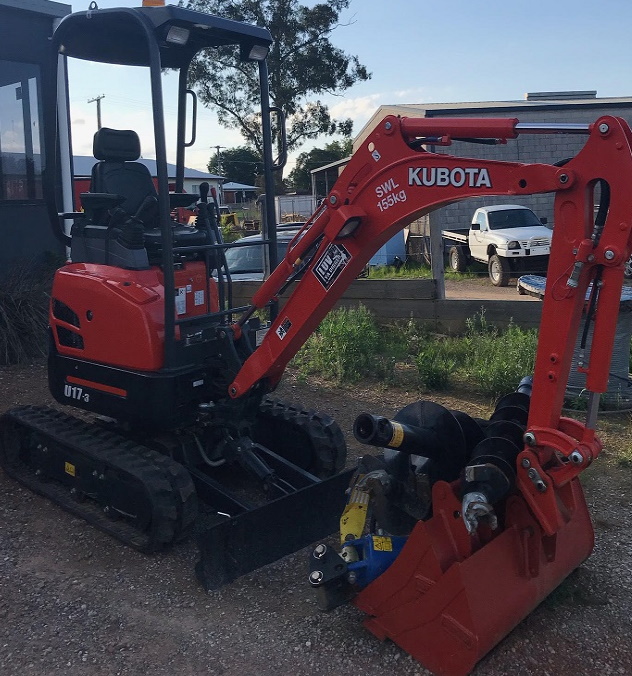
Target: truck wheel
{"type": "Point", "coordinates": [499, 270]}
{"type": "Point", "coordinates": [456, 259]}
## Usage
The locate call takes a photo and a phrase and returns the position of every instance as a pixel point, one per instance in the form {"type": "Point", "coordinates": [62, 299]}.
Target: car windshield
{"type": "Point", "coordinates": [512, 218]}
{"type": "Point", "coordinates": [244, 259]}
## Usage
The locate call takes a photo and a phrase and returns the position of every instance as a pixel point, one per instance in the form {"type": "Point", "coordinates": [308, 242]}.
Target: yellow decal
{"type": "Point", "coordinates": [398, 436]}
{"type": "Point", "coordinates": [382, 544]}
{"type": "Point", "coordinates": [353, 517]}
{"type": "Point", "coordinates": [69, 468]}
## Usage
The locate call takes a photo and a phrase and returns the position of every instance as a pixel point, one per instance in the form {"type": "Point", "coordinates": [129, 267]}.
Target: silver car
{"type": "Point", "coordinates": [245, 263]}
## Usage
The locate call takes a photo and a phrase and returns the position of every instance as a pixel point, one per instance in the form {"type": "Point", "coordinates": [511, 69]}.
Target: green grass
{"type": "Point", "coordinates": [350, 345]}
{"type": "Point", "coordinates": [346, 347]}
{"type": "Point", "coordinates": [409, 270]}
{"type": "Point", "coordinates": [414, 270]}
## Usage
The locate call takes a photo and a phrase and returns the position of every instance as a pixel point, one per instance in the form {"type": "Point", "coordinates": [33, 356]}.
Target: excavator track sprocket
{"type": "Point", "coordinates": [142, 498]}
{"type": "Point", "coordinates": [311, 440]}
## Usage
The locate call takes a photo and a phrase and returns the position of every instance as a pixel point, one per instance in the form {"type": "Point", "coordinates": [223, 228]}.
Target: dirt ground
{"type": "Point", "coordinates": [73, 601]}
{"type": "Point", "coordinates": [483, 289]}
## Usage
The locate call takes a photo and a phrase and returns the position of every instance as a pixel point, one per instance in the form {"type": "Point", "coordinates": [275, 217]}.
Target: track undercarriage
{"type": "Point", "coordinates": [150, 492]}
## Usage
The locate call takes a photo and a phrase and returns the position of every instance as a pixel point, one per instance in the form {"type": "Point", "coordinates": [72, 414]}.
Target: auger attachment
{"type": "Point", "coordinates": [439, 548]}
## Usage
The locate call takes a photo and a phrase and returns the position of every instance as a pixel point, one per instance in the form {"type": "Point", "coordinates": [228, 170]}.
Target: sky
{"type": "Point", "coordinates": [418, 51]}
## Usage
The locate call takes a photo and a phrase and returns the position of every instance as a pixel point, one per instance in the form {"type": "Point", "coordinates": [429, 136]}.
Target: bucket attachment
{"type": "Point", "coordinates": [449, 598]}
{"type": "Point", "coordinates": [233, 546]}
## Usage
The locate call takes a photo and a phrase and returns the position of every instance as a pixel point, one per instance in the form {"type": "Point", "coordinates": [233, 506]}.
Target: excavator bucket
{"type": "Point", "coordinates": [448, 598]}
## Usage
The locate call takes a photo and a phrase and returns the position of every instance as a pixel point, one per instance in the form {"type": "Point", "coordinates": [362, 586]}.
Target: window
{"type": "Point", "coordinates": [21, 157]}
{"type": "Point", "coordinates": [512, 218]}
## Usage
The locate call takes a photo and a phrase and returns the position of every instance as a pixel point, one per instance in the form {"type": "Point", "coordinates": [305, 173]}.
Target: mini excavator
{"type": "Point", "coordinates": [460, 526]}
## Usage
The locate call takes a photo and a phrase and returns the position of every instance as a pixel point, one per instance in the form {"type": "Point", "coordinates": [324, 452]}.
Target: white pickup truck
{"type": "Point", "coordinates": [507, 237]}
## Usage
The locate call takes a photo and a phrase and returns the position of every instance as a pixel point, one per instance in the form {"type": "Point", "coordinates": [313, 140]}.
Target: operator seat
{"type": "Point", "coordinates": [118, 173]}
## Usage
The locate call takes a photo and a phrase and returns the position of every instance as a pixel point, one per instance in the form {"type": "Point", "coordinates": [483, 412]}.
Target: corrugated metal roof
{"type": "Point", "coordinates": [232, 185]}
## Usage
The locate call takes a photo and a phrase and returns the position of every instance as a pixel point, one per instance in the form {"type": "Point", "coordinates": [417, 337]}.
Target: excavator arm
{"type": "Point", "coordinates": [447, 577]}
{"type": "Point", "coordinates": [392, 179]}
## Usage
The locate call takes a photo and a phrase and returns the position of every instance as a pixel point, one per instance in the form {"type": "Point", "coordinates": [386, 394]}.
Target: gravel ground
{"type": "Point", "coordinates": [74, 601]}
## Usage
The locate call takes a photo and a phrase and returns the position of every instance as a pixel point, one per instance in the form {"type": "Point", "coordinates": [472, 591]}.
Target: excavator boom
{"type": "Point", "coordinates": [439, 596]}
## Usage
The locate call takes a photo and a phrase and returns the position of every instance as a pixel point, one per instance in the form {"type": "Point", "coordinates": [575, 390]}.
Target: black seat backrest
{"type": "Point", "coordinates": [117, 172]}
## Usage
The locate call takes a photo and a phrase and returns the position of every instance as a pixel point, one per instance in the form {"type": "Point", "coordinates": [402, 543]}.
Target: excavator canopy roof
{"type": "Point", "coordinates": [121, 36]}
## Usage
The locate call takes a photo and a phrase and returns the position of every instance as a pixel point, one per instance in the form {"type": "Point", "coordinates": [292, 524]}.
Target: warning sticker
{"type": "Point", "coordinates": [283, 328]}
{"type": "Point", "coordinates": [382, 543]}
{"type": "Point", "coordinates": [181, 300]}
{"type": "Point", "coordinates": [198, 297]}
{"type": "Point", "coordinates": [331, 264]}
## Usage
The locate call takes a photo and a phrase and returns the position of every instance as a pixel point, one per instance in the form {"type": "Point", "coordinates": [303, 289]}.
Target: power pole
{"type": "Point", "coordinates": [219, 164]}
{"type": "Point", "coordinates": [98, 100]}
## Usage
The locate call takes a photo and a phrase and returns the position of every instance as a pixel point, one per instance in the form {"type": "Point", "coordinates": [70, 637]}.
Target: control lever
{"type": "Point", "coordinates": [204, 188]}
{"type": "Point", "coordinates": [147, 210]}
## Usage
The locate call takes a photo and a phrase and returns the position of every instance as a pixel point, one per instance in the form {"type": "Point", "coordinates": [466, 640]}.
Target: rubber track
{"type": "Point", "coordinates": [165, 484]}
{"type": "Point", "coordinates": [329, 449]}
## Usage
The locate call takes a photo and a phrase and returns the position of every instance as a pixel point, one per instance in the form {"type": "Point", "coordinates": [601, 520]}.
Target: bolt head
{"type": "Point", "coordinates": [604, 128]}
{"type": "Point", "coordinates": [320, 551]}
{"type": "Point", "coordinates": [608, 254]}
{"type": "Point", "coordinates": [563, 178]}
{"type": "Point", "coordinates": [316, 577]}
{"type": "Point", "coordinates": [529, 439]}
{"type": "Point", "coordinates": [525, 463]}
{"type": "Point", "coordinates": [388, 125]}
{"type": "Point", "coordinates": [333, 199]}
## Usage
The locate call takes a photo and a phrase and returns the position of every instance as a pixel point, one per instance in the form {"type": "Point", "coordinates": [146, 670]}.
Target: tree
{"type": "Point", "coordinates": [300, 178]}
{"type": "Point", "coordinates": [302, 64]}
{"type": "Point", "coordinates": [241, 164]}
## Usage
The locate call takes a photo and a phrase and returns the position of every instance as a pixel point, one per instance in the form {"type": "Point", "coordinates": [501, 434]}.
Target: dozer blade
{"type": "Point", "coordinates": [447, 602]}
{"type": "Point", "coordinates": [232, 547]}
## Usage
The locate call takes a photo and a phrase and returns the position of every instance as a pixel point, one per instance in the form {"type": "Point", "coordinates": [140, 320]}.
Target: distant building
{"type": "Point", "coordinates": [547, 107]}
{"type": "Point", "coordinates": [238, 193]}
{"type": "Point", "coordinates": [83, 164]}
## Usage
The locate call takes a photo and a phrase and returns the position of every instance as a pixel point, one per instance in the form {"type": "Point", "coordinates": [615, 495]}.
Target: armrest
{"type": "Point", "coordinates": [182, 199]}
{"type": "Point", "coordinates": [93, 201]}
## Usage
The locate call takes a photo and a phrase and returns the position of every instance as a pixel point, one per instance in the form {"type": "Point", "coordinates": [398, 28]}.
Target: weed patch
{"type": "Point", "coordinates": [349, 345]}
{"type": "Point", "coordinates": [24, 298]}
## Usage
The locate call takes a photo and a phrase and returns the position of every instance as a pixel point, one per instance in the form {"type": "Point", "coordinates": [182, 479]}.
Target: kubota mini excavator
{"type": "Point", "coordinates": [461, 526]}
{"type": "Point", "coordinates": [142, 334]}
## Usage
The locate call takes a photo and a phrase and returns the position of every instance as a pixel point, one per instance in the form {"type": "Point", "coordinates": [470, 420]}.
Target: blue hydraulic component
{"type": "Point", "coordinates": [369, 556]}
